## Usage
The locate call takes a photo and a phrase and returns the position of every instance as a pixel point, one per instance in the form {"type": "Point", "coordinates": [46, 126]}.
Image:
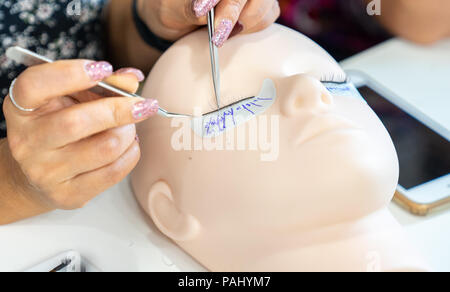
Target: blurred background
{"type": "Point", "coordinates": [342, 27]}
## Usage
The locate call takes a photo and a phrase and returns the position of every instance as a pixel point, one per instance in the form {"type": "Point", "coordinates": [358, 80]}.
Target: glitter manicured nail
{"type": "Point", "coordinates": [145, 109]}
{"type": "Point", "coordinates": [99, 70]}
{"type": "Point", "coordinates": [202, 7]}
{"type": "Point", "coordinates": [222, 33]}
{"type": "Point", "coordinates": [138, 73]}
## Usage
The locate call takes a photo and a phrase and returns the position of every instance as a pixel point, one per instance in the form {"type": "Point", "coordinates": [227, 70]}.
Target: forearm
{"type": "Point", "coordinates": [125, 45]}
{"type": "Point", "coordinates": [15, 202]}
{"type": "Point", "coordinates": [422, 21]}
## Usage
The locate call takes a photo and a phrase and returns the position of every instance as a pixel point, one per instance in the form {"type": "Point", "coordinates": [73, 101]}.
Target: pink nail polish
{"type": "Point", "coordinates": [137, 139]}
{"type": "Point", "coordinates": [202, 7]}
{"type": "Point", "coordinates": [222, 33]}
{"type": "Point", "coordinates": [145, 109]}
{"type": "Point", "coordinates": [138, 73]}
{"type": "Point", "coordinates": [99, 70]}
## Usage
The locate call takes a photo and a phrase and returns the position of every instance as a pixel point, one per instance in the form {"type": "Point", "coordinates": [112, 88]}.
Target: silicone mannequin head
{"type": "Point", "coordinates": [324, 175]}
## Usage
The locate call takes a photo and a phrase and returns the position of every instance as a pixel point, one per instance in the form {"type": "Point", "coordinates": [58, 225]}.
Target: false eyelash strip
{"type": "Point", "coordinates": [334, 78]}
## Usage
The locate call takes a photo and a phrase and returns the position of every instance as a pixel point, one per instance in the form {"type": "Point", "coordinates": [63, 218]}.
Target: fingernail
{"type": "Point", "coordinates": [138, 73]}
{"type": "Point", "coordinates": [222, 33]}
{"type": "Point", "coordinates": [99, 70]}
{"type": "Point", "coordinates": [145, 109]}
{"type": "Point", "coordinates": [238, 28]}
{"type": "Point", "coordinates": [202, 7]}
{"type": "Point", "coordinates": [137, 139]}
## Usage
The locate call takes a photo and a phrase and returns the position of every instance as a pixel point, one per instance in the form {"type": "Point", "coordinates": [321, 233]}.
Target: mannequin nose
{"type": "Point", "coordinates": [304, 93]}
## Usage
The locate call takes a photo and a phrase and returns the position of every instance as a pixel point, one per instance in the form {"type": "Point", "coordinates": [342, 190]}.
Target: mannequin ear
{"type": "Point", "coordinates": [171, 221]}
{"type": "Point", "coordinates": [303, 92]}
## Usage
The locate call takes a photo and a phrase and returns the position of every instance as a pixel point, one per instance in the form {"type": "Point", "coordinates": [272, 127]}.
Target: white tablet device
{"type": "Point", "coordinates": [423, 147]}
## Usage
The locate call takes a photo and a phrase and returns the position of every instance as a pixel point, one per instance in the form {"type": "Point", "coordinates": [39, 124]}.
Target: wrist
{"type": "Point", "coordinates": [19, 198]}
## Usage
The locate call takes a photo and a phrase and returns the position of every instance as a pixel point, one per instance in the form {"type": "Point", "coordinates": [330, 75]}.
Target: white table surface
{"type": "Point", "coordinates": [114, 234]}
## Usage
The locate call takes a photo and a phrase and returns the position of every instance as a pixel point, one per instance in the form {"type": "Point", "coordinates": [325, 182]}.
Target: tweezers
{"type": "Point", "coordinates": [215, 66]}
{"type": "Point", "coordinates": [29, 58]}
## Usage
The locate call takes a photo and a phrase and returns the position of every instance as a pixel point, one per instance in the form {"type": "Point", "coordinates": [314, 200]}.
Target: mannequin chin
{"type": "Point", "coordinates": [319, 205]}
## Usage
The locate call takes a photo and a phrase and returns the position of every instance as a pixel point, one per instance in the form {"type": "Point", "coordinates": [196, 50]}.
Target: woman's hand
{"type": "Point", "coordinates": [77, 144]}
{"type": "Point", "coordinates": [172, 19]}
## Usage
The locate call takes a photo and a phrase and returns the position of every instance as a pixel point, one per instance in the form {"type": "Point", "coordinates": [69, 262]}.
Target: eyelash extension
{"type": "Point", "coordinates": [336, 78]}
{"type": "Point", "coordinates": [213, 106]}
{"type": "Point", "coordinates": [230, 105]}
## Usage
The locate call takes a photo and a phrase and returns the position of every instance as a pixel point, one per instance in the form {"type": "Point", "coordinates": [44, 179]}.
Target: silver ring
{"type": "Point", "coordinates": [11, 96]}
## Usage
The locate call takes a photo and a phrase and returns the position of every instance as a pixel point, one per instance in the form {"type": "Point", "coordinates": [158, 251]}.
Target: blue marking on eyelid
{"type": "Point", "coordinates": [219, 122]}
{"type": "Point", "coordinates": [345, 89]}
{"type": "Point", "coordinates": [247, 109]}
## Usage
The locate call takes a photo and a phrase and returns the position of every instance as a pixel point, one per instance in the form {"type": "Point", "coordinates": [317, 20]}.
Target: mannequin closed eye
{"type": "Point", "coordinates": [330, 77]}
{"type": "Point", "coordinates": [214, 123]}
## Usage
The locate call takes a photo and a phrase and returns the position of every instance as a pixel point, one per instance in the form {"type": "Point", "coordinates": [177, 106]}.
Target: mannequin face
{"type": "Point", "coordinates": [335, 161]}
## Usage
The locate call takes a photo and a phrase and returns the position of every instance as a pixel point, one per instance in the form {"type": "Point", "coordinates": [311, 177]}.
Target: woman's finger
{"type": "Point", "coordinates": [255, 12]}
{"type": "Point", "coordinates": [89, 185]}
{"type": "Point", "coordinates": [38, 84]}
{"type": "Point", "coordinates": [127, 79]}
{"type": "Point", "coordinates": [86, 119]}
{"type": "Point", "coordinates": [264, 20]}
{"type": "Point", "coordinates": [227, 15]}
{"type": "Point", "coordinates": [95, 152]}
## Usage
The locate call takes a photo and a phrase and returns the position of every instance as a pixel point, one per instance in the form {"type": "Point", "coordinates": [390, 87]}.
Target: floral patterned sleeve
{"type": "Point", "coordinates": [58, 29]}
